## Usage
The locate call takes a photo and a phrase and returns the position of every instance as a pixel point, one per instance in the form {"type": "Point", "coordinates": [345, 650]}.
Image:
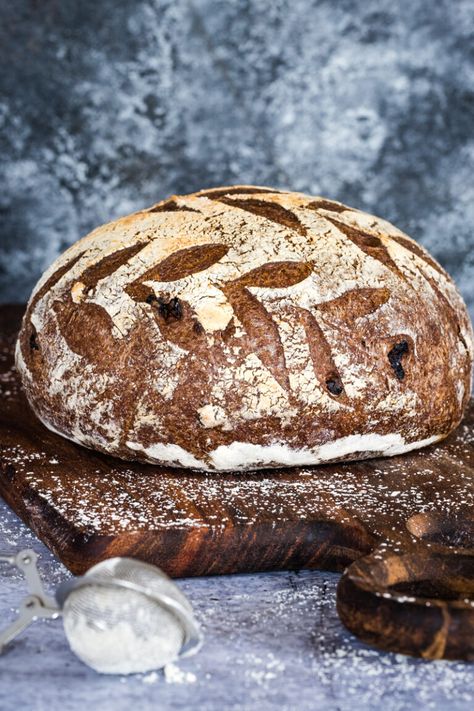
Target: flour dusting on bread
{"type": "Point", "coordinates": [245, 327]}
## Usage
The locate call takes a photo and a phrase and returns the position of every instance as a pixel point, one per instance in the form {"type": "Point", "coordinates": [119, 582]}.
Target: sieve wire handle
{"type": "Point", "coordinates": [31, 609]}
{"type": "Point", "coordinates": [35, 605]}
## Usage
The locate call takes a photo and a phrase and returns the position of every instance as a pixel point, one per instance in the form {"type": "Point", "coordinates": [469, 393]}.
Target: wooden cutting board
{"type": "Point", "coordinates": [87, 507]}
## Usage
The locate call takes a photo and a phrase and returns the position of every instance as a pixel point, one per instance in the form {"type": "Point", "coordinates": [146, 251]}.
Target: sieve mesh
{"type": "Point", "coordinates": [121, 630]}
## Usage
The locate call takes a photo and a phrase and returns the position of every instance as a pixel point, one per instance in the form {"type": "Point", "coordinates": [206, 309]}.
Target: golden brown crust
{"type": "Point", "coordinates": [246, 327]}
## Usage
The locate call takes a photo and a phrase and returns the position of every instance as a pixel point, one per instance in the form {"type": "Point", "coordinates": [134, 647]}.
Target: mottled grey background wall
{"type": "Point", "coordinates": [109, 105]}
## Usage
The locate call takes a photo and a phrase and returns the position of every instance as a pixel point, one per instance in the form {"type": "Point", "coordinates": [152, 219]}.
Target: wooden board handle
{"type": "Point", "coordinates": [418, 601]}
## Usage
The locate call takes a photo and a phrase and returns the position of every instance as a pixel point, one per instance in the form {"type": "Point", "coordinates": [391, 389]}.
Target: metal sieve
{"type": "Point", "coordinates": [123, 616]}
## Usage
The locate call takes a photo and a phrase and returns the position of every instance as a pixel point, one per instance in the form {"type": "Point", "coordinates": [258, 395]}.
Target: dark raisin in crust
{"type": "Point", "coordinates": [167, 309]}
{"type": "Point", "coordinates": [170, 309]}
{"type": "Point", "coordinates": [34, 341]}
{"type": "Point", "coordinates": [334, 386]}
{"type": "Point", "coordinates": [395, 356]}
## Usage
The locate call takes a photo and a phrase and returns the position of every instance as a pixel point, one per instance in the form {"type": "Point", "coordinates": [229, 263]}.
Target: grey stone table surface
{"type": "Point", "coordinates": [272, 641]}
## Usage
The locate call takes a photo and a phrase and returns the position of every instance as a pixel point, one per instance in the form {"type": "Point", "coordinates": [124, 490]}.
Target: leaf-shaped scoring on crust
{"type": "Point", "coordinates": [324, 204]}
{"type": "Point", "coordinates": [53, 280]}
{"type": "Point", "coordinates": [186, 262]}
{"type": "Point", "coordinates": [98, 345]}
{"type": "Point", "coordinates": [355, 303]}
{"type": "Point", "coordinates": [29, 344]}
{"type": "Point", "coordinates": [369, 244]}
{"type": "Point", "coordinates": [270, 210]}
{"type": "Point", "coordinates": [415, 248]}
{"type": "Point", "coordinates": [109, 264]}
{"type": "Point", "coordinates": [263, 337]}
{"type": "Point", "coordinates": [177, 265]}
{"type": "Point", "coordinates": [276, 275]}
{"type": "Point", "coordinates": [321, 355]}
{"type": "Point", "coordinates": [171, 206]}
{"type": "Point", "coordinates": [215, 193]}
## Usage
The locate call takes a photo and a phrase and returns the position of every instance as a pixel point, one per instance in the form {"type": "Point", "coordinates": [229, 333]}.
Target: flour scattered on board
{"type": "Point", "coordinates": [115, 499]}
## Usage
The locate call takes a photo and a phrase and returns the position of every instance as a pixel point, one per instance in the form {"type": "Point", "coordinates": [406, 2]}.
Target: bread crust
{"type": "Point", "coordinates": [244, 328]}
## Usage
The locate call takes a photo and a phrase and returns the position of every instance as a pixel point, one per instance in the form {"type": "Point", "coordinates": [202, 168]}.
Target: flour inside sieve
{"type": "Point", "coordinates": [119, 631]}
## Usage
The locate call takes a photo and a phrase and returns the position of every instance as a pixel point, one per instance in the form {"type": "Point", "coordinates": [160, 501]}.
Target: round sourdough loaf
{"type": "Point", "coordinates": [245, 327]}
